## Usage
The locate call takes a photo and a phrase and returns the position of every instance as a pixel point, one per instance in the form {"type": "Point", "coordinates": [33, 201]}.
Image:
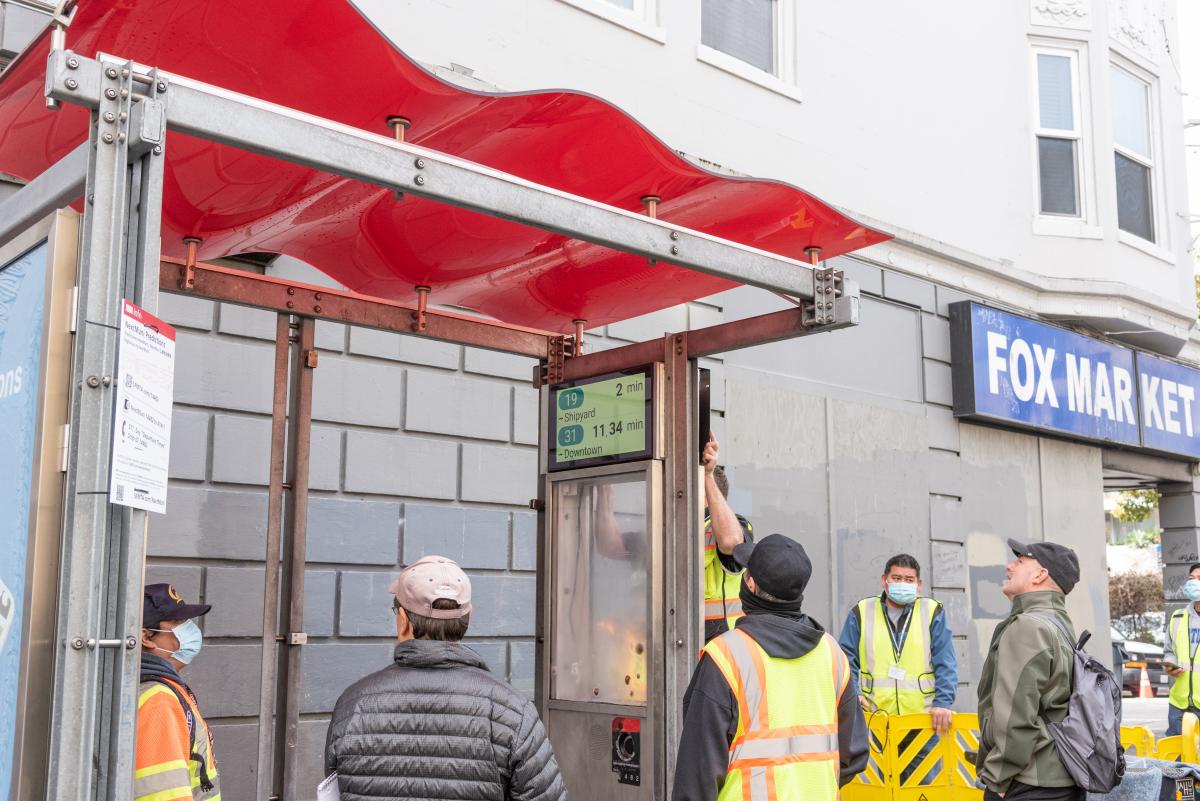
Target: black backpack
{"type": "Point", "coordinates": [1089, 737]}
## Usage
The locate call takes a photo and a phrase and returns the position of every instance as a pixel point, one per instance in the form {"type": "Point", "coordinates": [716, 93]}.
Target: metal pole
{"type": "Point", "coordinates": [141, 284]}
{"type": "Point", "coordinates": [270, 622]}
{"type": "Point", "coordinates": [682, 548]}
{"type": "Point", "coordinates": [94, 715]}
{"type": "Point", "coordinates": [300, 434]}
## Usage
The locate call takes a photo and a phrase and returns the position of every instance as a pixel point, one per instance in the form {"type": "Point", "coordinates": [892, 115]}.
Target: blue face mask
{"type": "Point", "coordinates": [190, 639]}
{"type": "Point", "coordinates": [1191, 588]}
{"type": "Point", "coordinates": [901, 592]}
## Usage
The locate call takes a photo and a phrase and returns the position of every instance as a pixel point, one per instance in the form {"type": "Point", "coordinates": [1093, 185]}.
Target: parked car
{"type": "Point", "coordinates": [1132, 656]}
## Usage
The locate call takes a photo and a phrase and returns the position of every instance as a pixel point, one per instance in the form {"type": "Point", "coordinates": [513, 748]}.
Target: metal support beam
{"type": "Point", "coordinates": [58, 186]}
{"type": "Point", "coordinates": [306, 300]}
{"type": "Point", "coordinates": [92, 731]}
{"type": "Point", "coordinates": [247, 123]}
{"type": "Point", "coordinates": [720, 338]}
{"type": "Point", "coordinates": [295, 539]}
{"type": "Point", "coordinates": [267, 689]}
{"type": "Point", "coordinates": [682, 551]}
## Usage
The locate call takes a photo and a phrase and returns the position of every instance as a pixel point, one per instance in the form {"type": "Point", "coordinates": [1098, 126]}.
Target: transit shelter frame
{"type": "Point", "coordinates": [118, 173]}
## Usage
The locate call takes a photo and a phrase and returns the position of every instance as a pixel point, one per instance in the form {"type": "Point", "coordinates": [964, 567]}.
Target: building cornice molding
{"type": "Point", "coordinates": [1113, 308]}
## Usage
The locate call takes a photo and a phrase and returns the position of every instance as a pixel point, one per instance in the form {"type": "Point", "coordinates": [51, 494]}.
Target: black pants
{"type": "Point", "coordinates": [1026, 792]}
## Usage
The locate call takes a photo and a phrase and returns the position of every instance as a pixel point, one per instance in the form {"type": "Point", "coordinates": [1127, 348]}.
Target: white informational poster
{"type": "Point", "coordinates": [142, 424]}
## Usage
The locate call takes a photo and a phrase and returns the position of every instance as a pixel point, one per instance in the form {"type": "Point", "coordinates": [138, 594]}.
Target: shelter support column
{"type": "Point", "coordinates": [92, 729]}
{"type": "Point", "coordinates": [1179, 516]}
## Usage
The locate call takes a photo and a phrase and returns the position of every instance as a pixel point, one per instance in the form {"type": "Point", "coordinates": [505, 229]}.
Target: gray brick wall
{"type": "Point", "coordinates": [422, 447]}
{"type": "Point", "coordinates": [418, 447]}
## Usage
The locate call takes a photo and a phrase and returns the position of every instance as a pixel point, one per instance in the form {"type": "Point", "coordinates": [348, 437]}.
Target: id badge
{"type": "Point", "coordinates": [896, 672]}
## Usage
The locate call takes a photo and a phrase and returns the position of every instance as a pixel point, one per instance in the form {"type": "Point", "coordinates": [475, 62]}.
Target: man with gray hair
{"type": "Point", "coordinates": [435, 724]}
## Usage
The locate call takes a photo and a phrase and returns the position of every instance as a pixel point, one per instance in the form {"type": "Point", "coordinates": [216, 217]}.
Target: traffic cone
{"type": "Point", "coordinates": [1144, 688]}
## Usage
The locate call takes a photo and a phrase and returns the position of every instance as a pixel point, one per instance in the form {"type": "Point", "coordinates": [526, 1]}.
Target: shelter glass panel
{"type": "Point", "coordinates": [601, 589]}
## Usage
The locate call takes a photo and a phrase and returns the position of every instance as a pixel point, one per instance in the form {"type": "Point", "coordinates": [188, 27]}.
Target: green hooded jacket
{"type": "Point", "coordinates": [1026, 682]}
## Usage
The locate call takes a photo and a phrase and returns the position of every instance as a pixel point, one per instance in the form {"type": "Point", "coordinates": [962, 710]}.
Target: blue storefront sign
{"type": "Point", "coordinates": [1170, 416]}
{"type": "Point", "coordinates": [1013, 370]}
{"type": "Point", "coordinates": [22, 302]}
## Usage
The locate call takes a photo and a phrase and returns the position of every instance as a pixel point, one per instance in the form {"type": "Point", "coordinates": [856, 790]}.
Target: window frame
{"type": "Point", "coordinates": [783, 78]}
{"type": "Point", "coordinates": [642, 19]}
{"type": "Point", "coordinates": [1158, 246]}
{"type": "Point", "coordinates": [1083, 224]}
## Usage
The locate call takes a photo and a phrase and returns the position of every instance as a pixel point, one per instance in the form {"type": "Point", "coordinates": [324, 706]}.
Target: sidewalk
{"type": "Point", "coordinates": [1148, 712]}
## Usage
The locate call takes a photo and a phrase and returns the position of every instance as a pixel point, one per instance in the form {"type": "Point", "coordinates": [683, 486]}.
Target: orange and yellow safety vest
{"type": "Point", "coordinates": [786, 745]}
{"type": "Point", "coordinates": [172, 758]}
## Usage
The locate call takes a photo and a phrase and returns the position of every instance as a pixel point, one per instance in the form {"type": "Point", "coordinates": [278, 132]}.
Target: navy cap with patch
{"type": "Point", "coordinates": [161, 602]}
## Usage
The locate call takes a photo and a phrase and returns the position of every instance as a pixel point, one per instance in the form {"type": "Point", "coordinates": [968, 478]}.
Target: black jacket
{"type": "Point", "coordinates": [710, 711]}
{"type": "Point", "coordinates": [436, 725]}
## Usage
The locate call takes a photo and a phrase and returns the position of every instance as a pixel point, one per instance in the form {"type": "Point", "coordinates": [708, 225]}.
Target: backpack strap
{"type": "Point", "coordinates": [205, 782]}
{"type": "Point", "coordinates": [1053, 618]}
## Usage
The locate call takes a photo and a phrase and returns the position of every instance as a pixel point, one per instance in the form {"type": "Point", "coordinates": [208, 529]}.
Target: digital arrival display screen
{"type": "Point", "coordinates": [601, 420]}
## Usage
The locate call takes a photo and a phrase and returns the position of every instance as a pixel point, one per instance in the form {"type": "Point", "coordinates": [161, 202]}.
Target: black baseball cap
{"type": "Point", "coordinates": [778, 565]}
{"type": "Point", "coordinates": [161, 602]}
{"type": "Point", "coordinates": [1060, 561]}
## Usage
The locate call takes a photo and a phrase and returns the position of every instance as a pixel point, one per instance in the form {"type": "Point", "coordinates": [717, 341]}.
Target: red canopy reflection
{"type": "Point", "coordinates": [324, 58]}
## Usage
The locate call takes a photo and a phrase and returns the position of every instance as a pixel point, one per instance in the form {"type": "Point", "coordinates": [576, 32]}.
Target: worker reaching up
{"type": "Point", "coordinates": [723, 531]}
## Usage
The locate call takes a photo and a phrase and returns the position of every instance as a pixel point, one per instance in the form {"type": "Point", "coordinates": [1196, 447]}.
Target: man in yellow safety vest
{"type": "Point", "coordinates": [1183, 639]}
{"type": "Point", "coordinates": [901, 649]}
{"type": "Point", "coordinates": [723, 531]}
{"type": "Point", "coordinates": [771, 713]}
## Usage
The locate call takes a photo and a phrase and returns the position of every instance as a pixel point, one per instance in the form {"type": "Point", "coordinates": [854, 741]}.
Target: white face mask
{"type": "Point", "coordinates": [190, 641]}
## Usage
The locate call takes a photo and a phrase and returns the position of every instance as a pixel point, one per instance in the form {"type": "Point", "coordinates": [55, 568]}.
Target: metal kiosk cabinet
{"type": "Point", "coordinates": [601, 558]}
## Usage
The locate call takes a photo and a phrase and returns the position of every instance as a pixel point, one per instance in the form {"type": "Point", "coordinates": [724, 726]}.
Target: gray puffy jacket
{"type": "Point", "coordinates": [435, 724]}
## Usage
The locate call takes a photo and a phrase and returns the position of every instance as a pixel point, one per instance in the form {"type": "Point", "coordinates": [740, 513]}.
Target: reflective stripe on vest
{"type": "Point", "coordinates": [876, 657]}
{"type": "Point", "coordinates": [168, 779]}
{"type": "Point", "coordinates": [786, 745]}
{"type": "Point", "coordinates": [1183, 691]}
{"type": "Point", "coordinates": [722, 589]}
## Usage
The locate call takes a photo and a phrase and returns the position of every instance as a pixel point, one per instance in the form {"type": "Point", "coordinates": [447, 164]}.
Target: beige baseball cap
{"type": "Point", "coordinates": [428, 579]}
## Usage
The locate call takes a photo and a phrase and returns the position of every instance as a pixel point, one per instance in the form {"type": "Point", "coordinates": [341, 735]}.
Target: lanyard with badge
{"type": "Point", "coordinates": [896, 672]}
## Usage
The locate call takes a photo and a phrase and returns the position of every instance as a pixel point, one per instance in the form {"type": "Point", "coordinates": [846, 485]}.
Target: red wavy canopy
{"type": "Point", "coordinates": [324, 58]}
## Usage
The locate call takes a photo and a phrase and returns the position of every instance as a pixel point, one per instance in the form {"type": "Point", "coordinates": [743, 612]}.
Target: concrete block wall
{"type": "Point", "coordinates": [418, 447]}
{"type": "Point", "coordinates": [947, 574]}
{"type": "Point", "coordinates": [847, 442]}
{"type": "Point", "coordinates": [1179, 515]}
